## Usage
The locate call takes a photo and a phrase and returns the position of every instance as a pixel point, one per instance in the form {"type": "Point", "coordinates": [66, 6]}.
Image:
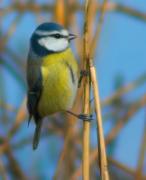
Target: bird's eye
{"type": "Point", "coordinates": [57, 36]}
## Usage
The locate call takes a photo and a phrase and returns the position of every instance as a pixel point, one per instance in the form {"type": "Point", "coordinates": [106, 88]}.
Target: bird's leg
{"type": "Point", "coordinates": [83, 73]}
{"type": "Point", "coordinates": [84, 117]}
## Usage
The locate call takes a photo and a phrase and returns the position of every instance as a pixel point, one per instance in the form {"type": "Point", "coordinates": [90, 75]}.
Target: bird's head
{"type": "Point", "coordinates": [50, 38]}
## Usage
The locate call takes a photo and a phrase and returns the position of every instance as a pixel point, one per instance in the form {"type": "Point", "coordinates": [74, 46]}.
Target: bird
{"type": "Point", "coordinates": [52, 74]}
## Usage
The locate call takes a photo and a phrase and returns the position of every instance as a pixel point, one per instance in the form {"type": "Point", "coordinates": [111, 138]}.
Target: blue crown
{"type": "Point", "coordinates": [50, 26]}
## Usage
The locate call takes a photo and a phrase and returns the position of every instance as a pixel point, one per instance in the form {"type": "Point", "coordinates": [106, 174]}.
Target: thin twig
{"type": "Point", "coordinates": [10, 31]}
{"type": "Point", "coordinates": [110, 7]}
{"type": "Point", "coordinates": [142, 154]}
{"type": "Point", "coordinates": [7, 107]}
{"type": "Point", "coordinates": [62, 155]}
{"type": "Point", "coordinates": [20, 117]}
{"type": "Point", "coordinates": [95, 40]}
{"type": "Point", "coordinates": [3, 171]}
{"type": "Point", "coordinates": [141, 80]}
{"type": "Point", "coordinates": [121, 166]}
{"type": "Point", "coordinates": [14, 166]}
{"type": "Point", "coordinates": [121, 122]}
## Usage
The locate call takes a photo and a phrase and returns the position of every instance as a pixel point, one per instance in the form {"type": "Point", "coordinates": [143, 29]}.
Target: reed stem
{"type": "Point", "coordinates": [100, 133]}
{"type": "Point", "coordinates": [86, 124]}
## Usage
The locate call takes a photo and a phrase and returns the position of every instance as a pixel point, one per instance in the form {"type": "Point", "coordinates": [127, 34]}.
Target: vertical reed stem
{"type": "Point", "coordinates": [86, 124]}
{"type": "Point", "coordinates": [86, 134]}
{"type": "Point", "coordinates": [102, 149]}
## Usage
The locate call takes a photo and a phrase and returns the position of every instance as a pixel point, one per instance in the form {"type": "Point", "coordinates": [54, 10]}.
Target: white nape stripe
{"type": "Point", "coordinates": [47, 33]}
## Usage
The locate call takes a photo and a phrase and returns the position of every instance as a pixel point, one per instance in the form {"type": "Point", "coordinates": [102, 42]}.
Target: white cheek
{"type": "Point", "coordinates": [53, 44]}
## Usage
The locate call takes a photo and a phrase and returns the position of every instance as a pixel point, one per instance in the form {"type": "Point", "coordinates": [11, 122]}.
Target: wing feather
{"type": "Point", "coordinates": [34, 81]}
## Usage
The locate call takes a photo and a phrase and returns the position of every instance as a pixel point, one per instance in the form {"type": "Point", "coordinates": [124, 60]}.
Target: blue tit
{"type": "Point", "coordinates": [52, 74]}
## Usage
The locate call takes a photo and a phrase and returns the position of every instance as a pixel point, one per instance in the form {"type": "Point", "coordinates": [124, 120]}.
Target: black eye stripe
{"type": "Point", "coordinates": [58, 36]}
{"type": "Point", "coordinates": [54, 35]}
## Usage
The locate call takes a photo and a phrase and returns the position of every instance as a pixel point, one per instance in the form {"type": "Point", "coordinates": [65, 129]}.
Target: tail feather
{"type": "Point", "coordinates": [37, 133]}
{"type": "Point", "coordinates": [29, 119]}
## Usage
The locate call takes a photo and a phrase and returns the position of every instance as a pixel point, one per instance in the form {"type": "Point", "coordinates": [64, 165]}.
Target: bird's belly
{"type": "Point", "coordinates": [58, 92]}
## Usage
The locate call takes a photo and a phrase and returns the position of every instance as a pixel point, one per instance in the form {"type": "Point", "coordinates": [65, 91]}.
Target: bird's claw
{"type": "Point", "coordinates": [85, 117]}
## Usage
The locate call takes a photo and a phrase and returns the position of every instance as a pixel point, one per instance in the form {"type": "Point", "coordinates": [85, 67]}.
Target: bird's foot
{"type": "Point", "coordinates": [84, 117]}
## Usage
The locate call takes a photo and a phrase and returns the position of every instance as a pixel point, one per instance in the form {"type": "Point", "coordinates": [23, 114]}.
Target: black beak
{"type": "Point", "coordinates": [72, 36]}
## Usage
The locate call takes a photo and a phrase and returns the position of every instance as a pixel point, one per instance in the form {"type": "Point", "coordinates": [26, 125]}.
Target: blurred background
{"type": "Point", "coordinates": [120, 61]}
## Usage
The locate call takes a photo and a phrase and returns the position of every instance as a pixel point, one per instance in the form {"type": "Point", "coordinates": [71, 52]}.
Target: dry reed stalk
{"type": "Point", "coordinates": [86, 105]}
{"type": "Point", "coordinates": [123, 120]}
{"type": "Point", "coordinates": [142, 153]}
{"type": "Point", "coordinates": [86, 135]}
{"type": "Point", "coordinates": [3, 171]}
{"type": "Point", "coordinates": [121, 166]}
{"type": "Point", "coordinates": [14, 166]}
{"type": "Point", "coordinates": [125, 89]}
{"type": "Point", "coordinates": [114, 132]}
{"type": "Point", "coordinates": [100, 134]}
{"type": "Point", "coordinates": [63, 18]}
{"type": "Point", "coordinates": [7, 107]}
{"type": "Point", "coordinates": [20, 117]}
{"type": "Point", "coordinates": [62, 156]}
{"type": "Point", "coordinates": [102, 149]}
{"type": "Point", "coordinates": [11, 29]}
{"type": "Point", "coordinates": [98, 29]}
{"type": "Point", "coordinates": [5, 149]}
{"type": "Point", "coordinates": [35, 8]}
{"type": "Point", "coordinates": [60, 11]}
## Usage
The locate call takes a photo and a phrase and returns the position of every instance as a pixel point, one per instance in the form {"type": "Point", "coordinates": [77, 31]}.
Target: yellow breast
{"type": "Point", "coordinates": [59, 72]}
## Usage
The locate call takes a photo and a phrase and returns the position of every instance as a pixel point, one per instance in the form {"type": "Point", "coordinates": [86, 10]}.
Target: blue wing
{"type": "Point", "coordinates": [34, 81]}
